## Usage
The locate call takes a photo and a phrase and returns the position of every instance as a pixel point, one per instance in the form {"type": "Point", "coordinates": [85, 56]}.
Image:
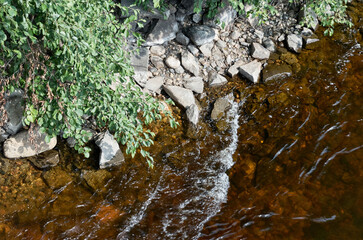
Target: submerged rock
{"type": "Point", "coordinates": [56, 178]}
{"type": "Point", "coordinates": [182, 96]}
{"type": "Point", "coordinates": [273, 71]}
{"type": "Point", "coordinates": [111, 154]}
{"type": "Point", "coordinates": [46, 160]}
{"type": "Point", "coordinates": [97, 180]}
{"type": "Point", "coordinates": [251, 71]}
{"type": "Point", "coordinates": [200, 34]}
{"type": "Point", "coordinates": [25, 144]}
{"type": "Point", "coordinates": [220, 107]}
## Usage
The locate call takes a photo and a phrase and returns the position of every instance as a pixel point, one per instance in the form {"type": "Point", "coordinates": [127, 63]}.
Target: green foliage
{"type": "Point", "coordinates": [66, 54]}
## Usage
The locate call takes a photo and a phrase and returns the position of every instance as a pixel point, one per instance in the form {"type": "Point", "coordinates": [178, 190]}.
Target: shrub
{"type": "Point", "coordinates": [66, 54]}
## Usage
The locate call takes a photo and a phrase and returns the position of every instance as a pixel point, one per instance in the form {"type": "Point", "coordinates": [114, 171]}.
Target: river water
{"type": "Point", "coordinates": [289, 166]}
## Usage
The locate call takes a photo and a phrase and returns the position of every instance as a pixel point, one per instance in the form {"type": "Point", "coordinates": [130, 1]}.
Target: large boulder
{"type": "Point", "coordinates": [14, 108]}
{"type": "Point", "coordinates": [251, 71]}
{"type": "Point", "coordinates": [190, 63]}
{"type": "Point", "coordinates": [26, 144]}
{"type": "Point", "coordinates": [140, 62]}
{"type": "Point", "coordinates": [200, 34]}
{"type": "Point", "coordinates": [259, 52]}
{"type": "Point", "coordinates": [294, 42]}
{"type": "Point", "coordinates": [182, 96]}
{"type": "Point", "coordinates": [164, 31]}
{"type": "Point", "coordinates": [195, 84]}
{"type": "Point", "coordinates": [223, 17]}
{"type": "Point", "coordinates": [111, 154]}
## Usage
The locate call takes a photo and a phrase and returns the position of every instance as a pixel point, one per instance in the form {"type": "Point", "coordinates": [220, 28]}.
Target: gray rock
{"type": "Point", "coordinates": [269, 45]}
{"type": "Point", "coordinates": [281, 38]}
{"type": "Point", "coordinates": [172, 62]}
{"type": "Point", "coordinates": [46, 160]}
{"type": "Point", "coordinates": [24, 144]}
{"type": "Point", "coordinates": [14, 107]}
{"type": "Point", "coordinates": [157, 50]}
{"type": "Point", "coordinates": [259, 34]}
{"type": "Point", "coordinates": [306, 32]}
{"type": "Point", "coordinates": [111, 154]}
{"type": "Point", "coordinates": [179, 70]}
{"type": "Point", "coordinates": [3, 135]}
{"type": "Point", "coordinates": [182, 96]}
{"type": "Point", "coordinates": [165, 30]}
{"type": "Point", "coordinates": [140, 63]}
{"type": "Point", "coordinates": [193, 49]}
{"type": "Point", "coordinates": [294, 42]}
{"type": "Point", "coordinates": [220, 107]}
{"type": "Point", "coordinates": [180, 15]}
{"type": "Point", "coordinates": [310, 15]}
{"type": "Point", "coordinates": [195, 84]}
{"type": "Point", "coordinates": [206, 49]}
{"type": "Point", "coordinates": [148, 12]}
{"type": "Point", "coordinates": [193, 114]}
{"type": "Point", "coordinates": [223, 17]}
{"type": "Point", "coordinates": [273, 71]}
{"type": "Point", "coordinates": [253, 21]}
{"type": "Point", "coordinates": [182, 39]}
{"type": "Point", "coordinates": [216, 79]}
{"type": "Point", "coordinates": [200, 34]}
{"type": "Point", "coordinates": [234, 69]}
{"type": "Point", "coordinates": [251, 71]}
{"type": "Point", "coordinates": [221, 44]}
{"type": "Point", "coordinates": [155, 84]}
{"type": "Point", "coordinates": [259, 52]}
{"type": "Point", "coordinates": [311, 40]}
{"type": "Point", "coordinates": [190, 63]}
{"type": "Point", "coordinates": [157, 62]}
{"type": "Point", "coordinates": [197, 17]}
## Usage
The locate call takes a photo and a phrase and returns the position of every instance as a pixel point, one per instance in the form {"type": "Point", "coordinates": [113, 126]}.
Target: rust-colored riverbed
{"type": "Point", "coordinates": [289, 165]}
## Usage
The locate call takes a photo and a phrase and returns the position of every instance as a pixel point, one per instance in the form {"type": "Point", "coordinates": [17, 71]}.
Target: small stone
{"type": "Point", "coordinates": [197, 17]}
{"type": "Point", "coordinates": [216, 79]}
{"type": "Point", "coordinates": [206, 49]}
{"type": "Point", "coordinates": [251, 70]}
{"type": "Point", "coordinates": [192, 113]}
{"type": "Point", "coordinates": [155, 84]}
{"type": "Point", "coordinates": [235, 35]}
{"type": "Point", "coordinates": [259, 52]}
{"type": "Point", "coordinates": [234, 69]}
{"type": "Point", "coordinates": [179, 70]}
{"type": "Point", "coordinates": [165, 30]}
{"type": "Point", "coordinates": [182, 39]}
{"type": "Point", "coordinates": [172, 62]}
{"type": "Point", "coordinates": [294, 42]}
{"type": "Point", "coordinates": [157, 62]}
{"type": "Point", "coordinates": [190, 63]}
{"type": "Point", "coordinates": [157, 50]}
{"type": "Point", "coordinates": [195, 84]}
{"type": "Point", "coordinates": [269, 45]}
{"type": "Point", "coordinates": [193, 49]}
{"type": "Point", "coordinates": [111, 154]}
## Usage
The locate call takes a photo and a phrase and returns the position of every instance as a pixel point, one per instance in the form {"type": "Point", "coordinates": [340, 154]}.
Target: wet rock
{"type": "Point", "coordinates": [269, 45]}
{"type": "Point", "coordinates": [111, 154]}
{"type": "Point", "coordinates": [251, 71]}
{"type": "Point", "coordinates": [46, 160]}
{"type": "Point", "coordinates": [182, 96]}
{"type": "Point", "coordinates": [289, 58]}
{"type": "Point", "coordinates": [220, 107]}
{"type": "Point", "coordinates": [25, 144]}
{"type": "Point", "coordinates": [190, 63]}
{"type": "Point", "coordinates": [97, 180]}
{"type": "Point", "coordinates": [259, 52]}
{"type": "Point", "coordinates": [294, 42]}
{"type": "Point", "coordinates": [223, 17]}
{"type": "Point", "coordinates": [200, 34]}
{"type": "Point", "coordinates": [164, 31]}
{"type": "Point", "coordinates": [192, 113]}
{"type": "Point", "coordinates": [206, 49]}
{"type": "Point", "coordinates": [273, 71]}
{"type": "Point", "coordinates": [157, 62]}
{"type": "Point", "coordinates": [222, 125]}
{"type": "Point", "coordinates": [234, 69]}
{"type": "Point", "coordinates": [14, 107]}
{"type": "Point", "coordinates": [172, 62]}
{"type": "Point", "coordinates": [195, 84]}
{"type": "Point", "coordinates": [155, 84]}
{"type": "Point", "coordinates": [56, 178]}
{"type": "Point", "coordinates": [311, 40]}
{"type": "Point", "coordinates": [216, 79]}
{"type": "Point", "coordinates": [182, 39]}
{"type": "Point", "coordinates": [140, 64]}
{"type": "Point", "coordinates": [157, 50]}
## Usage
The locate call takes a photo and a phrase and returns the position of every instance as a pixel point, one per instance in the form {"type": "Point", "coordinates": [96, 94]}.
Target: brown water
{"type": "Point", "coordinates": [288, 167]}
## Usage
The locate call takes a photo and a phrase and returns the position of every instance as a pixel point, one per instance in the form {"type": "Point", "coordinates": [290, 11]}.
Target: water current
{"type": "Point", "coordinates": [289, 166]}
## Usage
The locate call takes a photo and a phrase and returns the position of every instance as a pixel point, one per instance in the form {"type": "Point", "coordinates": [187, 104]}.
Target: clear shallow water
{"type": "Point", "coordinates": [290, 167]}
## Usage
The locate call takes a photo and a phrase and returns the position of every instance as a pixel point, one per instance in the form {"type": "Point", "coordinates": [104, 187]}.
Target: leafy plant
{"type": "Point", "coordinates": [68, 55]}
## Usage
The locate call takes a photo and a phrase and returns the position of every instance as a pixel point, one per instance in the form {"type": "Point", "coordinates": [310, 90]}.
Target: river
{"type": "Point", "coordinates": [289, 166]}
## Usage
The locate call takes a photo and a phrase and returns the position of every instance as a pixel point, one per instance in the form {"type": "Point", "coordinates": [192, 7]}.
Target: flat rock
{"type": "Point", "coordinates": [192, 113]}
{"type": "Point", "coordinates": [46, 160]}
{"type": "Point", "coordinates": [190, 63]}
{"type": "Point", "coordinates": [182, 39]}
{"type": "Point", "coordinates": [220, 107]}
{"type": "Point", "coordinates": [216, 79]}
{"type": "Point", "coordinates": [155, 84]}
{"type": "Point", "coordinates": [172, 62]}
{"type": "Point", "coordinates": [157, 50]}
{"type": "Point", "coordinates": [140, 63]}
{"type": "Point", "coordinates": [259, 52]}
{"type": "Point", "coordinates": [182, 96]}
{"type": "Point", "coordinates": [164, 31]}
{"type": "Point", "coordinates": [294, 42]}
{"type": "Point", "coordinates": [195, 84]}
{"type": "Point", "coordinates": [200, 34]}
{"type": "Point", "coordinates": [24, 144]}
{"type": "Point", "coordinates": [234, 69]}
{"type": "Point", "coordinates": [14, 107]}
{"type": "Point", "coordinates": [273, 71]}
{"type": "Point", "coordinates": [111, 154]}
{"type": "Point", "coordinates": [251, 71]}
{"type": "Point", "coordinates": [56, 178]}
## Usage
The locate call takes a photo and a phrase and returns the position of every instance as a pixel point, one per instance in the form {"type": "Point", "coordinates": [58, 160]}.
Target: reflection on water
{"type": "Point", "coordinates": [296, 145]}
